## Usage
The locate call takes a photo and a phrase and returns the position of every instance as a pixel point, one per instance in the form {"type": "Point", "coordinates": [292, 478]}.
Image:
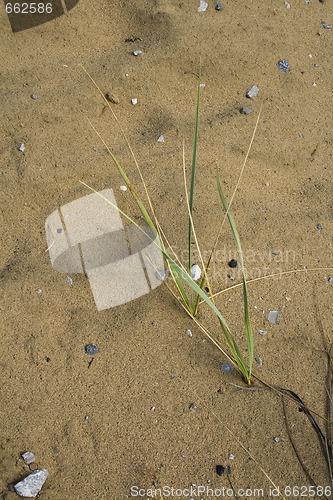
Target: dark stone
{"type": "Point", "coordinates": [220, 470]}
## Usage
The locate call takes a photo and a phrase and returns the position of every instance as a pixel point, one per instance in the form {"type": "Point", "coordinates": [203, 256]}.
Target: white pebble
{"type": "Point", "coordinates": [161, 138]}
{"type": "Point", "coordinates": [134, 101]}
{"type": "Point", "coordinates": [203, 6]}
{"type": "Point", "coordinates": [28, 457]}
{"type": "Point", "coordinates": [196, 272]}
{"type": "Point", "coordinates": [21, 147]}
{"type": "Point", "coordinates": [32, 484]}
{"type": "Point", "coordinates": [123, 188]}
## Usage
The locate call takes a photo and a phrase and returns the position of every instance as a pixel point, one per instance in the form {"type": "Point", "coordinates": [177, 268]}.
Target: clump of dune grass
{"type": "Point", "coordinates": [188, 291]}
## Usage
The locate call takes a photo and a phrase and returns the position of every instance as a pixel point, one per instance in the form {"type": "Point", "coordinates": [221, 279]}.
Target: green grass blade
{"type": "Point", "coordinates": [247, 322]}
{"type": "Point", "coordinates": [193, 165]}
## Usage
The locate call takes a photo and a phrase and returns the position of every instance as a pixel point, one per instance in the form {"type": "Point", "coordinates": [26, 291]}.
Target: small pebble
{"type": "Point", "coordinates": [326, 26]}
{"type": "Point", "coordinates": [161, 138]}
{"type": "Point", "coordinates": [262, 332]}
{"type": "Point", "coordinates": [232, 263]}
{"type": "Point", "coordinates": [39, 291]}
{"type": "Point", "coordinates": [195, 272]}
{"type": "Point", "coordinates": [137, 52]}
{"type": "Point", "coordinates": [220, 470]}
{"type": "Point", "coordinates": [258, 361]}
{"type": "Point", "coordinates": [134, 101]}
{"type": "Point", "coordinates": [273, 317]}
{"type": "Point", "coordinates": [226, 367]}
{"type": "Point", "coordinates": [253, 92]}
{"type": "Point", "coordinates": [59, 230]}
{"type": "Point", "coordinates": [32, 484]}
{"type": "Point", "coordinates": [123, 188]}
{"type": "Point", "coordinates": [319, 226]}
{"type": "Point", "coordinates": [28, 457]}
{"type": "Point", "coordinates": [34, 96]}
{"type": "Point", "coordinates": [91, 349]}
{"type": "Point", "coordinates": [188, 333]}
{"type": "Point", "coordinates": [276, 439]}
{"type": "Point", "coordinates": [245, 110]}
{"type": "Point", "coordinates": [329, 279]}
{"type": "Point", "coordinates": [203, 6]}
{"type": "Point", "coordinates": [231, 456]}
{"type": "Point", "coordinates": [218, 6]}
{"type": "Point", "coordinates": [231, 277]}
{"type": "Point", "coordinates": [69, 280]}
{"type": "Point", "coordinates": [193, 407]}
{"type": "Point", "coordinates": [21, 147]}
{"type": "Point", "coordinates": [283, 65]}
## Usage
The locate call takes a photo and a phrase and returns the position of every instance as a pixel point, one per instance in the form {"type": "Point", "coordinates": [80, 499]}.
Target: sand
{"type": "Point", "coordinates": [123, 418]}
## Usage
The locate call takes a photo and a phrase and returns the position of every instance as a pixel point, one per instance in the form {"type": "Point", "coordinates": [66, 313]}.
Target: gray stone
{"type": "Point", "coordinates": [253, 92]}
{"type": "Point", "coordinates": [32, 484]}
{"type": "Point", "coordinates": [28, 457]}
{"type": "Point", "coordinates": [273, 317]}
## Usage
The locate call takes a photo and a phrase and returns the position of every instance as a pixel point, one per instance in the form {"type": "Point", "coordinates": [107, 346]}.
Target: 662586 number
{"type": "Point", "coordinates": [307, 491]}
{"type": "Point", "coordinates": [28, 8]}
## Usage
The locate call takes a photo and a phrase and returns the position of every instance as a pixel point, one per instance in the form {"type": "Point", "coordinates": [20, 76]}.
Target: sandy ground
{"type": "Point", "coordinates": [125, 419]}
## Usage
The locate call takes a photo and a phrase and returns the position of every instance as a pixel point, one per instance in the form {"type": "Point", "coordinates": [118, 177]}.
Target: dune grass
{"type": "Point", "coordinates": [189, 291]}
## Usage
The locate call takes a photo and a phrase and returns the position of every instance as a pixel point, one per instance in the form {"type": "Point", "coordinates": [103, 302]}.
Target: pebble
{"type": "Point", "coordinates": [32, 484]}
{"type": "Point", "coordinates": [137, 52]}
{"type": "Point", "coordinates": [330, 279]}
{"type": "Point", "coordinates": [218, 6]}
{"type": "Point", "coordinates": [231, 456]}
{"type": "Point", "coordinates": [258, 361]}
{"type": "Point", "coordinates": [203, 6]}
{"type": "Point", "coordinates": [273, 317]}
{"type": "Point", "coordinates": [91, 349]}
{"type": "Point", "coordinates": [253, 92]}
{"type": "Point", "coordinates": [276, 439]}
{"type": "Point", "coordinates": [262, 332]}
{"type": "Point", "coordinates": [326, 26]}
{"type": "Point", "coordinates": [28, 457]}
{"type": "Point", "coordinates": [232, 263]}
{"type": "Point", "coordinates": [123, 188]}
{"type": "Point", "coordinates": [220, 470]}
{"type": "Point", "coordinates": [69, 280]}
{"type": "Point", "coordinates": [161, 138]}
{"type": "Point", "coordinates": [319, 226]}
{"type": "Point", "coordinates": [226, 367]}
{"type": "Point", "coordinates": [34, 96]}
{"type": "Point", "coordinates": [283, 65]}
{"type": "Point", "coordinates": [195, 272]}
{"type": "Point", "coordinates": [193, 407]}
{"type": "Point", "coordinates": [188, 333]}
{"type": "Point", "coordinates": [134, 101]}
{"type": "Point", "coordinates": [245, 110]}
{"type": "Point", "coordinates": [21, 147]}
{"type": "Point", "coordinates": [112, 98]}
